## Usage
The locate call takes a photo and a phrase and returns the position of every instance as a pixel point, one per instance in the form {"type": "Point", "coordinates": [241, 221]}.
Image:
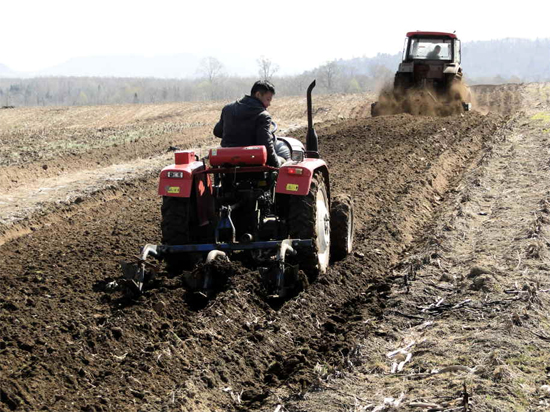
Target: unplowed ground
{"type": "Point", "coordinates": [51, 158]}
{"type": "Point", "coordinates": [450, 265]}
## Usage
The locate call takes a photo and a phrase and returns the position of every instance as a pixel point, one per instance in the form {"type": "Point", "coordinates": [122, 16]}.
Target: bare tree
{"type": "Point", "coordinates": [328, 73]}
{"type": "Point", "coordinates": [381, 76]}
{"type": "Point", "coordinates": [267, 68]}
{"type": "Point", "coordinates": [211, 68]}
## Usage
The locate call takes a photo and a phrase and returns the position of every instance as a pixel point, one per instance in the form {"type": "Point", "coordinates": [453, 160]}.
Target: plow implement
{"type": "Point", "coordinates": [280, 277]}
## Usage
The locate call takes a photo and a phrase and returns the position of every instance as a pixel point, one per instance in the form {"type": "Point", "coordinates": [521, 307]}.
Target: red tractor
{"type": "Point", "coordinates": [231, 204]}
{"type": "Point", "coordinates": [431, 66]}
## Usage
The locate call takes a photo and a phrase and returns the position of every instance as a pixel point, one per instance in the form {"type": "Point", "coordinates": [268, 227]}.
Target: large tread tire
{"type": "Point", "coordinates": [375, 109]}
{"type": "Point", "coordinates": [341, 226]}
{"type": "Point", "coordinates": [176, 230]}
{"type": "Point", "coordinates": [305, 221]}
{"type": "Point", "coordinates": [401, 84]}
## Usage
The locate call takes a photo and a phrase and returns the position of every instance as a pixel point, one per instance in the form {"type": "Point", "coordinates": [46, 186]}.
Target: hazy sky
{"type": "Point", "coordinates": [295, 34]}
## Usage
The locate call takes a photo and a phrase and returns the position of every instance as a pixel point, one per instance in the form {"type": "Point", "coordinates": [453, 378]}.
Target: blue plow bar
{"type": "Point", "coordinates": [207, 247]}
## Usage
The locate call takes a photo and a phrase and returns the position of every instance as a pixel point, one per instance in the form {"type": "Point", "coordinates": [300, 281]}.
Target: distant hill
{"type": "Point", "coordinates": [174, 66]}
{"type": "Point", "coordinates": [4, 70]}
{"type": "Point", "coordinates": [170, 78]}
{"type": "Point", "coordinates": [527, 60]}
{"type": "Point", "coordinates": [517, 59]}
{"type": "Point", "coordinates": [505, 59]}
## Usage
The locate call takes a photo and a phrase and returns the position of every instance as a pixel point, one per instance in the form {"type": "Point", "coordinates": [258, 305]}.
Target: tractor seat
{"type": "Point", "coordinates": [238, 156]}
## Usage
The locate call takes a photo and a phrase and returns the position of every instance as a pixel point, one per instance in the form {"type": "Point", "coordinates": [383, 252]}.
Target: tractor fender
{"type": "Point", "coordinates": [177, 180]}
{"type": "Point", "coordinates": [295, 179]}
{"type": "Point", "coordinates": [451, 68]}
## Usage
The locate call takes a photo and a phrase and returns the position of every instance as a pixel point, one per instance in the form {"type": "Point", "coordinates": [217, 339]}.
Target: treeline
{"type": "Point", "coordinates": [72, 91]}
{"type": "Point", "coordinates": [515, 60]}
{"type": "Point", "coordinates": [487, 62]}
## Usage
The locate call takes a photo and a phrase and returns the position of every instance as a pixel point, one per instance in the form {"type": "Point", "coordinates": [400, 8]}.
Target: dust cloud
{"type": "Point", "coordinates": [422, 101]}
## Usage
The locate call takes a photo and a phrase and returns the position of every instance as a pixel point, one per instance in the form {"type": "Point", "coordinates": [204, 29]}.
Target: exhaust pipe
{"type": "Point", "coordinates": [312, 141]}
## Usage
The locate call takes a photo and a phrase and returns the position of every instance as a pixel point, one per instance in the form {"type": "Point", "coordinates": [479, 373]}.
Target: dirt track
{"type": "Point", "coordinates": [68, 344]}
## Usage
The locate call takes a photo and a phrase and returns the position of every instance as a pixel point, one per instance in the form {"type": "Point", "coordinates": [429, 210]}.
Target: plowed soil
{"type": "Point", "coordinates": [425, 191]}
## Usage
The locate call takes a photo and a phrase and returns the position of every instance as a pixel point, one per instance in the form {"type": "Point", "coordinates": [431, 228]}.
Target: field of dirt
{"type": "Point", "coordinates": [448, 279]}
{"type": "Point", "coordinates": [54, 157]}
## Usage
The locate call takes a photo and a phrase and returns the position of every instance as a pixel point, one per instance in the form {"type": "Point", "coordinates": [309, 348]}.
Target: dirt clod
{"type": "Point", "coordinates": [117, 332]}
{"type": "Point", "coordinates": [484, 283]}
{"type": "Point", "coordinates": [478, 271]}
{"type": "Point", "coordinates": [159, 307]}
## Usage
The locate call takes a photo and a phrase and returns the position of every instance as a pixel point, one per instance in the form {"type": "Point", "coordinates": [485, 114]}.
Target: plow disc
{"type": "Point", "coordinates": [281, 279]}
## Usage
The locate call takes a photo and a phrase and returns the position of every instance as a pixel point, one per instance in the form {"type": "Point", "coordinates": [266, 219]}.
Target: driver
{"type": "Point", "coordinates": [434, 54]}
{"type": "Point", "coordinates": [246, 122]}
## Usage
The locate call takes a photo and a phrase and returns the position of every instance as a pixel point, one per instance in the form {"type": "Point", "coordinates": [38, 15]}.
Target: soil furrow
{"type": "Point", "coordinates": [467, 312]}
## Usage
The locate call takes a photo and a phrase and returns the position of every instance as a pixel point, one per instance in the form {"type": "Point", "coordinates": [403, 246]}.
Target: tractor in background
{"type": "Point", "coordinates": [429, 74]}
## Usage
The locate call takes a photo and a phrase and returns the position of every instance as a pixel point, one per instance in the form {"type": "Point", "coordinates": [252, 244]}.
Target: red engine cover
{"type": "Point", "coordinates": [238, 156]}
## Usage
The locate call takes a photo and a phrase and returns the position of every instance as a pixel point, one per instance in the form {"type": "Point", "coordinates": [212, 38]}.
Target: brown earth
{"type": "Point", "coordinates": [47, 142]}
{"type": "Point", "coordinates": [426, 191]}
{"type": "Point", "coordinates": [51, 158]}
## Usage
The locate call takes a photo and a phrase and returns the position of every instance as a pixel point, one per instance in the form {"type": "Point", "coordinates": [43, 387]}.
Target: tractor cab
{"type": "Point", "coordinates": [431, 46]}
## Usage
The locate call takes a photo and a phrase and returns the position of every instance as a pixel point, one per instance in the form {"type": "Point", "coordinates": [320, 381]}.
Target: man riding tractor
{"type": "Point", "coordinates": [246, 122]}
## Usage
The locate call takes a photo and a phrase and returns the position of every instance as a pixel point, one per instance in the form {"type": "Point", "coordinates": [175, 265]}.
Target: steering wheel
{"type": "Point", "coordinates": [275, 127]}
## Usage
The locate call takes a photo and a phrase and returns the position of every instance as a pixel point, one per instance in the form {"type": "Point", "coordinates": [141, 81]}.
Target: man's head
{"type": "Point", "coordinates": [437, 49]}
{"type": "Point", "coordinates": [263, 91]}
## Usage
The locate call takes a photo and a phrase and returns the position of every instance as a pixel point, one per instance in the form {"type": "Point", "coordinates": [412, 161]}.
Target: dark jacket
{"type": "Point", "coordinates": [246, 122]}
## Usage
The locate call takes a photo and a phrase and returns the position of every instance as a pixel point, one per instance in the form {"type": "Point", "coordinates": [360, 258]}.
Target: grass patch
{"type": "Point", "coordinates": [530, 360]}
{"type": "Point", "coordinates": [542, 116]}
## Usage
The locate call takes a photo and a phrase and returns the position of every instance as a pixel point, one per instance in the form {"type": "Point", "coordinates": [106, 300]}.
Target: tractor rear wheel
{"type": "Point", "coordinates": [176, 230]}
{"type": "Point", "coordinates": [341, 226]}
{"type": "Point", "coordinates": [309, 218]}
{"type": "Point", "coordinates": [401, 83]}
{"type": "Point", "coordinates": [375, 109]}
